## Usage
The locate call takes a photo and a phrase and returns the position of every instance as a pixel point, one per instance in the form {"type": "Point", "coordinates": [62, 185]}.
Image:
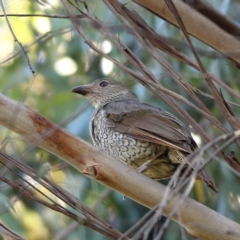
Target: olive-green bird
{"type": "Point", "coordinates": [135, 132]}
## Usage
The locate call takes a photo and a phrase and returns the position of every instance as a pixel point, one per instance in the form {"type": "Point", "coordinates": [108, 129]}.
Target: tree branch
{"type": "Point", "coordinates": [197, 25]}
{"type": "Point", "coordinates": [196, 218]}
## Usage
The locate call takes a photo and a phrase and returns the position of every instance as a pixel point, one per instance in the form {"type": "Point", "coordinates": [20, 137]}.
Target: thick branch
{"type": "Point", "coordinates": [197, 25]}
{"type": "Point", "coordinates": [215, 16]}
{"type": "Point", "coordinates": [197, 219]}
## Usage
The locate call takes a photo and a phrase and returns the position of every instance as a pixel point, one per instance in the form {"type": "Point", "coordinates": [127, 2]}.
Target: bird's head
{"type": "Point", "coordinates": [103, 91]}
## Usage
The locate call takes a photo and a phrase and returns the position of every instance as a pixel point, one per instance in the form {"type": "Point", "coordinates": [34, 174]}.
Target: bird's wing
{"type": "Point", "coordinates": [148, 123]}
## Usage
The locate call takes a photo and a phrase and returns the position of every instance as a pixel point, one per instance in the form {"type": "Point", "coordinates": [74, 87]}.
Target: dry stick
{"type": "Point", "coordinates": [160, 208]}
{"type": "Point", "coordinates": [232, 119]}
{"type": "Point", "coordinates": [43, 37]}
{"type": "Point", "coordinates": [15, 38]}
{"type": "Point", "coordinates": [234, 136]}
{"type": "Point", "coordinates": [233, 161]}
{"type": "Point", "coordinates": [72, 226]}
{"type": "Point", "coordinates": [38, 15]}
{"type": "Point", "coordinates": [93, 163]}
{"type": "Point", "coordinates": [92, 220]}
{"type": "Point", "coordinates": [166, 198]}
{"type": "Point", "coordinates": [52, 187]}
{"type": "Point", "coordinates": [211, 97]}
{"type": "Point", "coordinates": [56, 207]}
{"type": "Point", "coordinates": [6, 231]}
{"type": "Point", "coordinates": [62, 234]}
{"type": "Point", "coordinates": [46, 37]}
{"type": "Point", "coordinates": [174, 211]}
{"type": "Point", "coordinates": [139, 222]}
{"type": "Point", "coordinates": [149, 34]}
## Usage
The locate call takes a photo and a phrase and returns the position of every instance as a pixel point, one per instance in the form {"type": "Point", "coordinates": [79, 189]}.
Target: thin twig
{"type": "Point", "coordinates": [16, 40]}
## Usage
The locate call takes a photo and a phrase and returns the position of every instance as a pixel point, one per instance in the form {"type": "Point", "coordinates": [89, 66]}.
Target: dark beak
{"type": "Point", "coordinates": [83, 90]}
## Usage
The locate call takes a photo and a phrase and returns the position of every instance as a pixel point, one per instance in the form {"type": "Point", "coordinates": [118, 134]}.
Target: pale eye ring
{"type": "Point", "coordinates": [103, 84]}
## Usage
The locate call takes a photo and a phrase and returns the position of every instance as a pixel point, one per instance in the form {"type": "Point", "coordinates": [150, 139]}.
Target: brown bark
{"type": "Point", "coordinates": [219, 19]}
{"type": "Point", "coordinates": [196, 25]}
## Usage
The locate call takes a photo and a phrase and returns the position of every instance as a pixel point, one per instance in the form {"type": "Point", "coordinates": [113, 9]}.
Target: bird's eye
{"type": "Point", "coordinates": [103, 84]}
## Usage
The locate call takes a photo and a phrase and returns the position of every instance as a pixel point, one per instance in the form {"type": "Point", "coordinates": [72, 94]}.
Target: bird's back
{"type": "Point", "coordinates": [132, 151]}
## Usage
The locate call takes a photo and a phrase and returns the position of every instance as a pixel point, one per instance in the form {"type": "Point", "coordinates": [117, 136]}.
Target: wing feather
{"type": "Point", "coordinates": [148, 123]}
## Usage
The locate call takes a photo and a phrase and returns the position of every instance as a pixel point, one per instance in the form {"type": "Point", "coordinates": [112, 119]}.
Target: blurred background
{"type": "Point", "coordinates": [61, 60]}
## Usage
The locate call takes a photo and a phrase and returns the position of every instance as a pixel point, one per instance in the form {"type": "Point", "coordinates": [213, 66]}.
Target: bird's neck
{"type": "Point", "coordinates": [118, 97]}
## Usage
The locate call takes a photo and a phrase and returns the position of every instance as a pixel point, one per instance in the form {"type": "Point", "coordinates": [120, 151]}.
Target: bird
{"type": "Point", "coordinates": [141, 135]}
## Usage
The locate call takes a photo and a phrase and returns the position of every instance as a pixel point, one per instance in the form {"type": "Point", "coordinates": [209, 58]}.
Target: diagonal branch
{"type": "Point", "coordinates": [197, 219]}
{"type": "Point", "coordinates": [198, 26]}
